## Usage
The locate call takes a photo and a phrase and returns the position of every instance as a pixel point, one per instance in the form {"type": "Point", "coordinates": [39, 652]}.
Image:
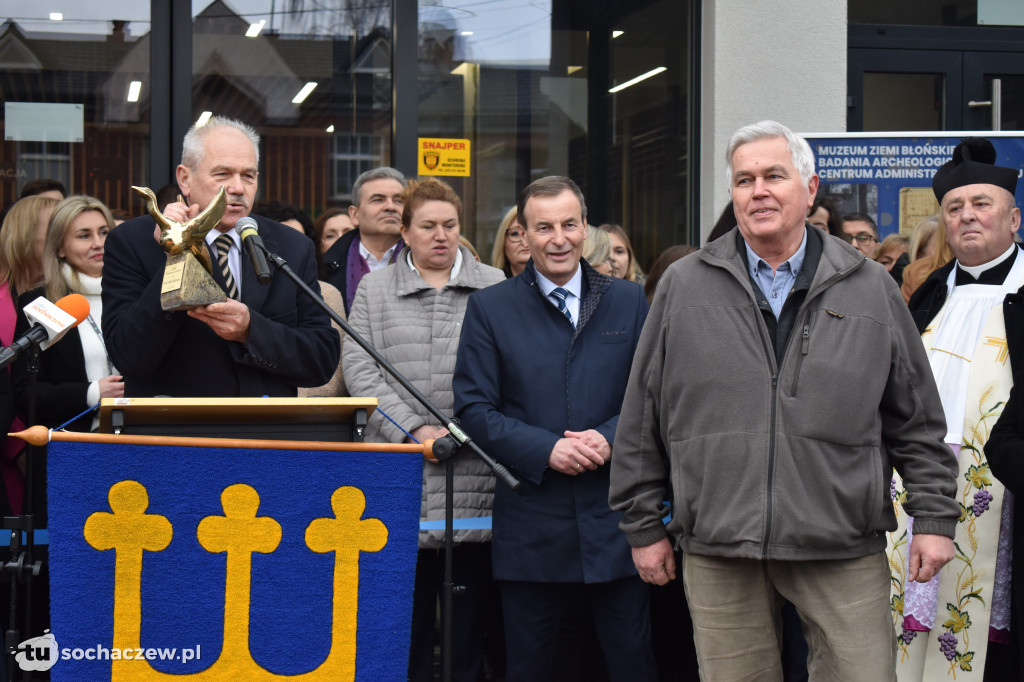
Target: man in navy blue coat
{"type": "Point", "coordinates": [542, 368]}
{"type": "Point", "coordinates": [268, 341]}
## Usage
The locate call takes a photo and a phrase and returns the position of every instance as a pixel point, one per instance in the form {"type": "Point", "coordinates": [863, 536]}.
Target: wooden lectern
{"type": "Point", "coordinates": [306, 419]}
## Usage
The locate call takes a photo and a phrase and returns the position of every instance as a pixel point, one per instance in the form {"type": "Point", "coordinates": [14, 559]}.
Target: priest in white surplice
{"type": "Point", "coordinates": [958, 626]}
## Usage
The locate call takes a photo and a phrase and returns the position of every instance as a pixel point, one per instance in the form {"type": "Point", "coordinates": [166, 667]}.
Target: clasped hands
{"type": "Point", "coordinates": [426, 432]}
{"type": "Point", "coordinates": [579, 451]}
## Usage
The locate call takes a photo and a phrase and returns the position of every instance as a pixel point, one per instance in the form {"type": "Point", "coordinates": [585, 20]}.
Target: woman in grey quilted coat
{"type": "Point", "coordinates": [411, 312]}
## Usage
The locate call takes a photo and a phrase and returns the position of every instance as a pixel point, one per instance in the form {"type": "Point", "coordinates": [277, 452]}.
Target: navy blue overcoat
{"type": "Point", "coordinates": [523, 377]}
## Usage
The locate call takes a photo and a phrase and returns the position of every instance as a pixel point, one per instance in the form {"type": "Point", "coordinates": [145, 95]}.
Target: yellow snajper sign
{"type": "Point", "coordinates": [441, 156]}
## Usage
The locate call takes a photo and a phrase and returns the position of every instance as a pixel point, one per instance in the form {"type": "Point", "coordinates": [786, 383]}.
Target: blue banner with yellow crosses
{"type": "Point", "coordinates": [230, 564]}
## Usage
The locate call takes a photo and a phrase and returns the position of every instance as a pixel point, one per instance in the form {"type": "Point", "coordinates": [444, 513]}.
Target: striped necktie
{"type": "Point", "coordinates": [223, 244]}
{"type": "Point", "coordinates": [560, 294]}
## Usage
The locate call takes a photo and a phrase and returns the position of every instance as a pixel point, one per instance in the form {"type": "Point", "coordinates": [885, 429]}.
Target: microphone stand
{"type": "Point", "coordinates": [21, 568]}
{"type": "Point", "coordinates": [443, 449]}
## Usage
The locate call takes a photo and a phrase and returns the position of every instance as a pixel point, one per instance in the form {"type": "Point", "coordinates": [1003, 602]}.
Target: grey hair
{"type": "Point", "coordinates": [382, 173]}
{"type": "Point", "coordinates": [803, 157]}
{"type": "Point", "coordinates": [193, 148]}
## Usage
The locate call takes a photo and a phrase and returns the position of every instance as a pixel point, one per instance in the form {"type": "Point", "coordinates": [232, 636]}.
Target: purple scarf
{"type": "Point", "coordinates": [357, 268]}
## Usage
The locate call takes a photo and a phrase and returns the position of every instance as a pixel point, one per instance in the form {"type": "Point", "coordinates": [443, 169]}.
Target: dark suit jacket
{"type": "Point", "coordinates": [523, 377]}
{"type": "Point", "coordinates": [62, 386]}
{"type": "Point", "coordinates": [291, 341]}
{"type": "Point", "coordinates": [336, 264]}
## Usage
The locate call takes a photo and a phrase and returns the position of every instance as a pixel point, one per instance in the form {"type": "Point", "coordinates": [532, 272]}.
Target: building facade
{"type": "Point", "coordinates": [633, 99]}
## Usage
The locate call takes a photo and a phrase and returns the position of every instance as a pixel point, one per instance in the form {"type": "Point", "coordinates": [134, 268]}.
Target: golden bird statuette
{"type": "Point", "coordinates": [188, 281]}
{"type": "Point", "coordinates": [190, 235]}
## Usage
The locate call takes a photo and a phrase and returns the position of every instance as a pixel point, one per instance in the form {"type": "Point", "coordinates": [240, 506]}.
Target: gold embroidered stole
{"type": "Point", "coordinates": [957, 644]}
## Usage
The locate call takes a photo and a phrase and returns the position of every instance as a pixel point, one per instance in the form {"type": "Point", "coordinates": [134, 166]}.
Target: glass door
{"type": "Point", "coordinates": [994, 81]}
{"type": "Point", "coordinates": [901, 90]}
{"type": "Point", "coordinates": [904, 90]}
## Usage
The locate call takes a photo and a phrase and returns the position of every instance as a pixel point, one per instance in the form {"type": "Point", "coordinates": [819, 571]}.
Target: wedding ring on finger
{"type": "Point", "coordinates": [578, 467]}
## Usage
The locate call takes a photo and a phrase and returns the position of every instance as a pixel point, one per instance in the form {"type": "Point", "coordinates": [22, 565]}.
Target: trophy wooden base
{"type": "Point", "coordinates": [188, 285]}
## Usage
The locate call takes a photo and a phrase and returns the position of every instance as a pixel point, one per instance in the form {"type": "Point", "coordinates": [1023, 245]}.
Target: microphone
{"type": "Point", "coordinates": [253, 244]}
{"type": "Point", "coordinates": [50, 322]}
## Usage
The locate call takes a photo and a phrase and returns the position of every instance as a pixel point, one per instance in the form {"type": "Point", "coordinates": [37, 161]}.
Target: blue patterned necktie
{"type": "Point", "coordinates": [560, 294]}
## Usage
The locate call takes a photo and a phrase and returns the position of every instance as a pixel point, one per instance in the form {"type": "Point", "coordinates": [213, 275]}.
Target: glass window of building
{"type": "Point", "coordinates": [75, 87]}
{"type": "Point", "coordinates": [924, 66]}
{"type": "Point", "coordinates": [313, 78]}
{"type": "Point", "coordinates": [599, 93]}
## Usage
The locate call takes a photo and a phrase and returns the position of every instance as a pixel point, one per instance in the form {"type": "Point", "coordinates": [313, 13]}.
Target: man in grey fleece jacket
{"type": "Point", "coordinates": [778, 380]}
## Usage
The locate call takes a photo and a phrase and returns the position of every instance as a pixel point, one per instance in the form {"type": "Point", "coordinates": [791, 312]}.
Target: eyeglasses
{"type": "Point", "coordinates": [861, 238]}
{"type": "Point", "coordinates": [514, 236]}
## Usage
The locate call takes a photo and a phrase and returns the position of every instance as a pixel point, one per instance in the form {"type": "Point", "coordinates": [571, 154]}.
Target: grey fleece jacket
{"type": "Point", "coordinates": [417, 328]}
{"type": "Point", "coordinates": [790, 461]}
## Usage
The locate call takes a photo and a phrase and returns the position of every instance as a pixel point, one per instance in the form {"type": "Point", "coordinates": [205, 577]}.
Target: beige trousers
{"type": "Point", "coordinates": [735, 605]}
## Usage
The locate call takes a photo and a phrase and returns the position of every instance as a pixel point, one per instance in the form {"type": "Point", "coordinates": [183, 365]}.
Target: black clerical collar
{"type": "Point", "coordinates": [994, 275]}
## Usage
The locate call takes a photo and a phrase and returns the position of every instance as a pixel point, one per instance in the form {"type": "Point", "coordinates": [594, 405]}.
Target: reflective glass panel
{"type": "Point", "coordinates": [914, 12]}
{"type": "Point", "coordinates": [75, 87]}
{"type": "Point", "coordinates": [903, 101]}
{"type": "Point", "coordinates": [313, 78]}
{"type": "Point", "coordinates": [598, 92]}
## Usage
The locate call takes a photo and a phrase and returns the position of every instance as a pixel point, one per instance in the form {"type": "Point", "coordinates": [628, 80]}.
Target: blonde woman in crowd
{"type": "Point", "coordinates": [928, 251]}
{"type": "Point", "coordinates": [21, 242]}
{"type": "Point", "coordinates": [921, 238]}
{"type": "Point", "coordinates": [597, 250]}
{"type": "Point", "coordinates": [21, 268]}
{"type": "Point", "coordinates": [75, 373]}
{"type": "Point", "coordinates": [889, 251]}
{"type": "Point", "coordinates": [510, 254]}
{"type": "Point", "coordinates": [626, 266]}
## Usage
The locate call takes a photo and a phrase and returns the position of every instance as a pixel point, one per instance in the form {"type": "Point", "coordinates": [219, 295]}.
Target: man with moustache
{"type": "Point", "coordinates": [541, 369]}
{"type": "Point", "coordinates": [777, 382]}
{"type": "Point", "coordinates": [971, 317]}
{"type": "Point", "coordinates": [376, 211]}
{"type": "Point", "coordinates": [264, 340]}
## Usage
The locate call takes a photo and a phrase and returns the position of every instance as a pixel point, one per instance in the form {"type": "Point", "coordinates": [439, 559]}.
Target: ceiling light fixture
{"type": "Point", "coordinates": [254, 29]}
{"type": "Point", "coordinates": [304, 93]}
{"type": "Point", "coordinates": [634, 81]}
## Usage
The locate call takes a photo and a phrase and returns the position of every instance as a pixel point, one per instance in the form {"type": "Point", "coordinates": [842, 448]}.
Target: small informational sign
{"type": "Point", "coordinates": [889, 176]}
{"type": "Point", "coordinates": [44, 122]}
{"type": "Point", "coordinates": [443, 156]}
{"type": "Point", "coordinates": [1000, 13]}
